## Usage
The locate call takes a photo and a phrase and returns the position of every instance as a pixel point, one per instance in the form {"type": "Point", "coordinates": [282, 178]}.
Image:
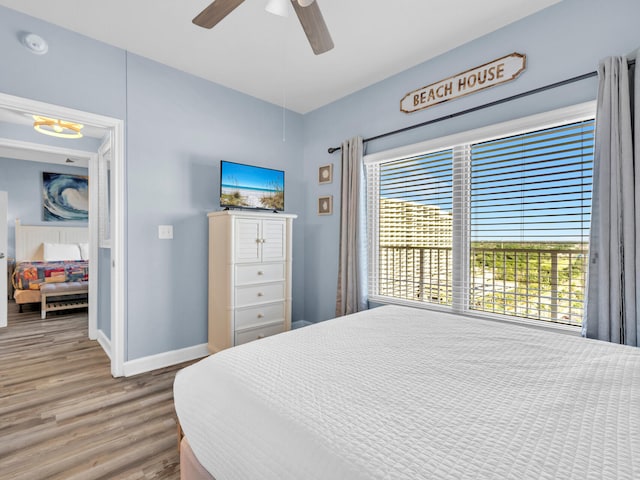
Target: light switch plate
{"type": "Point", "coordinates": [165, 232]}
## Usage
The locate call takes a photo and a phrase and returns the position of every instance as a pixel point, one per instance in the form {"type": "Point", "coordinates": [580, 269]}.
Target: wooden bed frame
{"type": "Point", "coordinates": [30, 240]}
{"type": "Point", "coordinates": [190, 467]}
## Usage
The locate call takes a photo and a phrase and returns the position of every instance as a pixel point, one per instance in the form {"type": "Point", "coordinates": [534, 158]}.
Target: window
{"type": "Point", "coordinates": [495, 220]}
{"type": "Point", "coordinates": [415, 228]}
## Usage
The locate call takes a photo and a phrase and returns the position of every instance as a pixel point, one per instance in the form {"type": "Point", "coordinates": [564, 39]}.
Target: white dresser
{"type": "Point", "coordinates": [249, 276]}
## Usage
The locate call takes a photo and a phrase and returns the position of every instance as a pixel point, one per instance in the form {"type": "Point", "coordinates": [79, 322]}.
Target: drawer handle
{"type": "Point", "coordinates": [260, 294]}
{"type": "Point", "coordinates": [260, 272]}
{"type": "Point", "coordinates": [260, 336]}
{"type": "Point", "coordinates": [260, 315]}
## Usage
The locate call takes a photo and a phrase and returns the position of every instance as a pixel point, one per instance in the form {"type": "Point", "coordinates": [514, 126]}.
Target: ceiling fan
{"type": "Point", "coordinates": [307, 11]}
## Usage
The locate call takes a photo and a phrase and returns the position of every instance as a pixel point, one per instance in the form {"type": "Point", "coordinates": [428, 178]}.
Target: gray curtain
{"type": "Point", "coordinates": [352, 276]}
{"type": "Point", "coordinates": [613, 294]}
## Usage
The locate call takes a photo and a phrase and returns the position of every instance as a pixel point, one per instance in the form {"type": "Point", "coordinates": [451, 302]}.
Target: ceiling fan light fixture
{"type": "Point", "coordinates": [307, 11]}
{"type": "Point", "coordinates": [278, 7]}
{"type": "Point", "coordinates": [56, 127]}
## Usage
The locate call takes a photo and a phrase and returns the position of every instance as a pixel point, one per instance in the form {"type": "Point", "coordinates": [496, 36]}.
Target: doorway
{"type": "Point", "coordinates": [115, 135]}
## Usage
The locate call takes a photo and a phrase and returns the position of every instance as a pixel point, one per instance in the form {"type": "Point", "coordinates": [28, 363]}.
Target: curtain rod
{"type": "Point", "coordinates": [481, 107]}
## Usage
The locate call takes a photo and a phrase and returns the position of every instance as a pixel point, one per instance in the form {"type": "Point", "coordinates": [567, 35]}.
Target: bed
{"type": "Point", "coordinates": [52, 267]}
{"type": "Point", "coordinates": [404, 393]}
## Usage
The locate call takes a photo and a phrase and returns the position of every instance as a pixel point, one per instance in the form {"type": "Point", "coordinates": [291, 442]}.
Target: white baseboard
{"type": "Point", "coordinates": [105, 343]}
{"type": "Point", "coordinates": [165, 359]}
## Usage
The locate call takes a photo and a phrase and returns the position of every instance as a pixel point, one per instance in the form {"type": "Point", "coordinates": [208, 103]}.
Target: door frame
{"type": "Point", "coordinates": [116, 130]}
{"type": "Point", "coordinates": [4, 312]}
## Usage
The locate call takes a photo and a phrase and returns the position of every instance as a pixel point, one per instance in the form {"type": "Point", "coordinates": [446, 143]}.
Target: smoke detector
{"type": "Point", "coordinates": [35, 43]}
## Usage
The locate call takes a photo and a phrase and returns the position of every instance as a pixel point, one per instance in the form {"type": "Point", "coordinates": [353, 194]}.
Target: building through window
{"type": "Point", "coordinates": [492, 223]}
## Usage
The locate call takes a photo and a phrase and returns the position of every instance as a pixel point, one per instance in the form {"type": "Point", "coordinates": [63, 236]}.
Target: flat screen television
{"type": "Point", "coordinates": [249, 186]}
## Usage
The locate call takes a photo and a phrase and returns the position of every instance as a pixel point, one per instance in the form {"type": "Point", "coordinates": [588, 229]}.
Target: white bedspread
{"type": "Point", "coordinates": [401, 393]}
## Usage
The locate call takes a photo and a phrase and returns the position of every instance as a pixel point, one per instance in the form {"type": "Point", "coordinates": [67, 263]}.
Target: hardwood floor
{"type": "Point", "coordinates": [62, 414]}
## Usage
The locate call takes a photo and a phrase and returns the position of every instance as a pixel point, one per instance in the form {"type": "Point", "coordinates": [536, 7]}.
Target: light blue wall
{"type": "Point", "coordinates": [180, 127]}
{"type": "Point", "coordinates": [560, 42]}
{"type": "Point", "coordinates": [177, 129]}
{"type": "Point", "coordinates": [22, 179]}
{"type": "Point", "coordinates": [77, 72]}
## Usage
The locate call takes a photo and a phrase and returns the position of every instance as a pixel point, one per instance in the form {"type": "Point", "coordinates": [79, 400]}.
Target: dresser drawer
{"type": "Point", "coordinates": [256, 294]}
{"type": "Point", "coordinates": [258, 333]}
{"type": "Point", "coordinates": [260, 315]}
{"type": "Point", "coordinates": [247, 274]}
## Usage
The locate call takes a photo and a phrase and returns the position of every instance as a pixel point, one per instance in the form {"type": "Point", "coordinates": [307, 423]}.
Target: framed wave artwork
{"type": "Point", "coordinates": [65, 197]}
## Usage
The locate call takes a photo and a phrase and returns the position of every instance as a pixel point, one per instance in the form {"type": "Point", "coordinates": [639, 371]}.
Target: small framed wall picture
{"type": "Point", "coordinates": [325, 174]}
{"type": "Point", "coordinates": [325, 205]}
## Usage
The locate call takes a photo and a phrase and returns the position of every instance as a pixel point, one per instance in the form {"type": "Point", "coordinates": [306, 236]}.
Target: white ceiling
{"type": "Point", "coordinates": [268, 57]}
{"type": "Point", "coordinates": [26, 118]}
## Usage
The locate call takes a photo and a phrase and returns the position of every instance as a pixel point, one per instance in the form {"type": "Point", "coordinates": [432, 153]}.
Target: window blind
{"type": "Point", "coordinates": [494, 220]}
{"type": "Point", "coordinates": [414, 230]}
{"type": "Point", "coordinates": [530, 212]}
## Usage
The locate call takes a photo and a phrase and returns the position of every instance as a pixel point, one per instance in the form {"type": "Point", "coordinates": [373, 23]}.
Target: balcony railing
{"type": "Point", "coordinates": [416, 273]}
{"type": "Point", "coordinates": [543, 284]}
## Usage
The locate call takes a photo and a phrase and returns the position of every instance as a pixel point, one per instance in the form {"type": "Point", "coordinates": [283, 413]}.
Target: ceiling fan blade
{"type": "Point", "coordinates": [314, 27]}
{"type": "Point", "coordinates": [215, 12]}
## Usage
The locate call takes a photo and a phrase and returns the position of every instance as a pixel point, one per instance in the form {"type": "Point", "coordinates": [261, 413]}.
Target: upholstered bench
{"type": "Point", "coordinates": [56, 293]}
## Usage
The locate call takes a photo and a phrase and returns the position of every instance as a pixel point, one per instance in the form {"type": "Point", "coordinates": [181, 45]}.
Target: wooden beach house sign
{"type": "Point", "coordinates": [490, 74]}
